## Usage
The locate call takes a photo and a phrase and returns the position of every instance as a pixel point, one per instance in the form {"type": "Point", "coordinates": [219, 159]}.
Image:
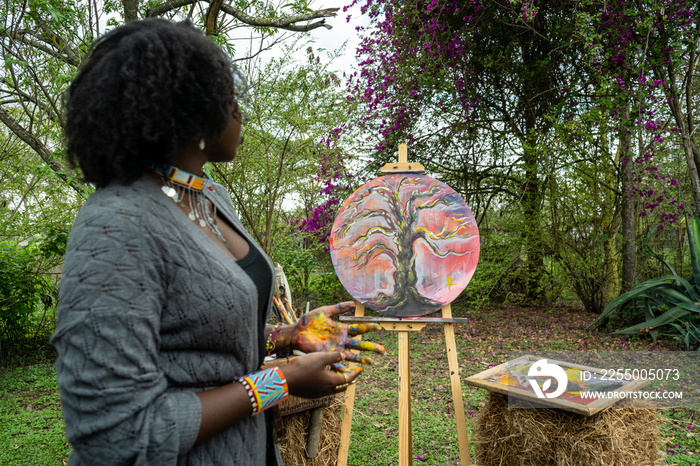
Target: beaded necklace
{"type": "Point", "coordinates": [177, 182]}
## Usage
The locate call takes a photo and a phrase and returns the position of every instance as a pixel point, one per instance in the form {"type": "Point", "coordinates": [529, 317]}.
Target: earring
{"type": "Point", "coordinates": [202, 144]}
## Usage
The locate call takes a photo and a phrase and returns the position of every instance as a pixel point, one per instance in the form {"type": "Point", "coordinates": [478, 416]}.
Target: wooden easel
{"type": "Point", "coordinates": [404, 327]}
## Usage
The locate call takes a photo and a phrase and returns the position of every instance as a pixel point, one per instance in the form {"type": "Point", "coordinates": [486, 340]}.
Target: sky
{"type": "Point", "coordinates": [342, 30]}
{"type": "Point", "coordinates": [332, 39]}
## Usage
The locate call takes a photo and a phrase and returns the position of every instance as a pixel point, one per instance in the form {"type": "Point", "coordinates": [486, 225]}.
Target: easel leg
{"type": "Point", "coordinates": [456, 387]}
{"type": "Point", "coordinates": [405, 434]}
{"type": "Point", "coordinates": [348, 404]}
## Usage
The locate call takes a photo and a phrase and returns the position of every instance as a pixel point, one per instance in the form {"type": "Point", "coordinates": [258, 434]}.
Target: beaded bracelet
{"type": "Point", "coordinates": [269, 343]}
{"type": "Point", "coordinates": [265, 388]}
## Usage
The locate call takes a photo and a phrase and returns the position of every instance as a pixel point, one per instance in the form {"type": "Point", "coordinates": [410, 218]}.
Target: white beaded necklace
{"type": "Point", "coordinates": [177, 182]}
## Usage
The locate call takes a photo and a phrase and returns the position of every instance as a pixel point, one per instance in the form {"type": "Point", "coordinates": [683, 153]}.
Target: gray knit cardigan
{"type": "Point", "coordinates": [150, 311]}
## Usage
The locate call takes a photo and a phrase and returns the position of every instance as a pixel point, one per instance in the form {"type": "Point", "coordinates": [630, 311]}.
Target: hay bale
{"type": "Point", "coordinates": [624, 435]}
{"type": "Point", "coordinates": [293, 443]}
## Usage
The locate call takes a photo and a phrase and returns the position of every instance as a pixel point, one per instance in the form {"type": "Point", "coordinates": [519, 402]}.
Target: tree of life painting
{"type": "Point", "coordinates": [405, 245]}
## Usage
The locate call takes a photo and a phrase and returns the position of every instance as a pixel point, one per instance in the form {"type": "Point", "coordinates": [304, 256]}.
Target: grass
{"type": "Point", "coordinates": [32, 430]}
{"type": "Point", "coordinates": [489, 339]}
{"type": "Point", "coordinates": [682, 433]}
{"type": "Point", "coordinates": [31, 424]}
{"type": "Point", "coordinates": [374, 438]}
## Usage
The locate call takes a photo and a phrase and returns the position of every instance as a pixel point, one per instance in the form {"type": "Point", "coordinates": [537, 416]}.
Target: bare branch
{"type": "Point", "coordinates": [167, 6]}
{"type": "Point", "coordinates": [23, 96]}
{"type": "Point", "coordinates": [39, 148]}
{"type": "Point", "coordinates": [287, 22]}
{"type": "Point", "coordinates": [67, 56]}
{"type": "Point", "coordinates": [58, 42]}
{"type": "Point", "coordinates": [212, 14]}
{"type": "Point", "coordinates": [31, 185]}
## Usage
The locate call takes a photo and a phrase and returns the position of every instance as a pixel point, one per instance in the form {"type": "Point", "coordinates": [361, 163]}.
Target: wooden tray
{"type": "Point", "coordinates": [498, 379]}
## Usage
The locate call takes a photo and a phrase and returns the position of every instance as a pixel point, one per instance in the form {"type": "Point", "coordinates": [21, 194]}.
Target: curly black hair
{"type": "Point", "coordinates": [147, 88]}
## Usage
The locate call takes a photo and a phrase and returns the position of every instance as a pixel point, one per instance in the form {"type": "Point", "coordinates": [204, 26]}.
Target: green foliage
{"type": "Point", "coordinates": [31, 424]}
{"type": "Point", "coordinates": [27, 294]}
{"type": "Point", "coordinates": [309, 271]}
{"type": "Point", "coordinates": [581, 218]}
{"type": "Point", "coordinates": [325, 288]}
{"type": "Point", "coordinates": [54, 245]}
{"type": "Point", "coordinates": [289, 108]}
{"type": "Point", "coordinates": [502, 275]}
{"type": "Point", "coordinates": [34, 201]}
{"type": "Point", "coordinates": [298, 263]}
{"type": "Point", "coordinates": [665, 306]}
{"type": "Point", "coordinates": [687, 333]}
{"type": "Point", "coordinates": [498, 277]}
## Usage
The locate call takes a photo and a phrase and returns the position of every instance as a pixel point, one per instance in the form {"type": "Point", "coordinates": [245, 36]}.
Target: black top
{"type": "Point", "coordinates": [261, 275]}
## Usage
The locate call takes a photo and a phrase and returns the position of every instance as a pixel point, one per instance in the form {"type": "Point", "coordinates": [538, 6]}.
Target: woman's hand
{"type": "Point", "coordinates": [316, 332]}
{"type": "Point", "coordinates": [307, 376]}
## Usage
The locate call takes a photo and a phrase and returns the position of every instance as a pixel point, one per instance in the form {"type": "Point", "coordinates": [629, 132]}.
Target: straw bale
{"type": "Point", "coordinates": [293, 443]}
{"type": "Point", "coordinates": [624, 435]}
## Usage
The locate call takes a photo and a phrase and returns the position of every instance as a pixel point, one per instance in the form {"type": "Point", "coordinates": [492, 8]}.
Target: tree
{"type": "Point", "coordinates": [446, 75]}
{"type": "Point", "coordinates": [31, 202]}
{"type": "Point", "coordinates": [674, 61]}
{"type": "Point", "coordinates": [43, 42]}
{"type": "Point", "coordinates": [583, 206]}
{"type": "Point", "coordinates": [646, 54]}
{"type": "Point", "coordinates": [289, 108]}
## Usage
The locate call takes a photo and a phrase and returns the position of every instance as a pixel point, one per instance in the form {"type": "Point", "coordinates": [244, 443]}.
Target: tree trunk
{"type": "Point", "coordinates": [688, 144]}
{"type": "Point", "coordinates": [533, 225]}
{"type": "Point", "coordinates": [629, 219]}
{"type": "Point", "coordinates": [611, 284]}
{"type": "Point", "coordinates": [685, 121]}
{"type": "Point", "coordinates": [689, 147]}
{"type": "Point", "coordinates": [131, 10]}
{"type": "Point", "coordinates": [610, 229]}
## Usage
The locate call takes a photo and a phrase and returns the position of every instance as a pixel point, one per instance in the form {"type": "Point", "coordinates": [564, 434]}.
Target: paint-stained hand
{"type": "Point", "coordinates": [316, 331]}
{"type": "Point", "coordinates": [307, 376]}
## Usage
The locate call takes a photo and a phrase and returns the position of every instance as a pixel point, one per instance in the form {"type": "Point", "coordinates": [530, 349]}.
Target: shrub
{"type": "Point", "coordinates": [666, 306]}
{"type": "Point", "coordinates": [27, 294]}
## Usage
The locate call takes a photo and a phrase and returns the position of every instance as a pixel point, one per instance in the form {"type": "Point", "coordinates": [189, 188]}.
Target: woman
{"type": "Point", "coordinates": [164, 295]}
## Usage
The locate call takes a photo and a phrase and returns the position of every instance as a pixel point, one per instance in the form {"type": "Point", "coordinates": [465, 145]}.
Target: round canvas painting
{"type": "Point", "coordinates": [405, 245]}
